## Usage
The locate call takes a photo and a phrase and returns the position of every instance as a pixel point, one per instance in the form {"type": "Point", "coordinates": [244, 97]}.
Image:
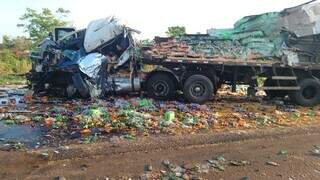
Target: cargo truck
{"type": "Point", "coordinates": [103, 60]}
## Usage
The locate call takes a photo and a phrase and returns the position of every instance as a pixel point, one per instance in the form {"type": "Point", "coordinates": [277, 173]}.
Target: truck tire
{"type": "Point", "coordinates": [80, 85]}
{"type": "Point", "coordinates": [309, 93]}
{"type": "Point", "coordinates": [161, 86]}
{"type": "Point", "coordinates": [198, 89]}
{"type": "Point", "coordinates": [274, 93]}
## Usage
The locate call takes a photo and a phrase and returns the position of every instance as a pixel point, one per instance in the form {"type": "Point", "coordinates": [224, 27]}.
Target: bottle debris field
{"type": "Point", "coordinates": [56, 121]}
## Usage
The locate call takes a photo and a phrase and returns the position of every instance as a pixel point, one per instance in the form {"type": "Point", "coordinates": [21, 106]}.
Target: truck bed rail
{"type": "Point", "coordinates": [155, 60]}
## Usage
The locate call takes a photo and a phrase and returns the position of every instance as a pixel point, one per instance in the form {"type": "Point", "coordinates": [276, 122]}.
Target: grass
{"type": "Point", "coordinates": [12, 79]}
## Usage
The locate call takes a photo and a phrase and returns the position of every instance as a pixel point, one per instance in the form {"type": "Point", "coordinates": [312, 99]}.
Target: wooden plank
{"type": "Point", "coordinates": [221, 59]}
{"type": "Point", "coordinates": [215, 62]}
{"type": "Point", "coordinates": [274, 88]}
{"type": "Point", "coordinates": [227, 62]}
{"type": "Point", "coordinates": [284, 78]}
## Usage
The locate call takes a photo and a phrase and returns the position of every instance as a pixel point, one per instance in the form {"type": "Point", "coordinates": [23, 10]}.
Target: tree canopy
{"type": "Point", "coordinates": [176, 31]}
{"type": "Point", "coordinates": [39, 24]}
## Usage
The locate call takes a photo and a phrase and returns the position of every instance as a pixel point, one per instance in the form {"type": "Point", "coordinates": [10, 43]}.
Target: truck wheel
{"type": "Point", "coordinates": [309, 93]}
{"type": "Point", "coordinates": [80, 85]}
{"type": "Point", "coordinates": [272, 93]}
{"type": "Point", "coordinates": [198, 89]}
{"type": "Point", "coordinates": [161, 86]}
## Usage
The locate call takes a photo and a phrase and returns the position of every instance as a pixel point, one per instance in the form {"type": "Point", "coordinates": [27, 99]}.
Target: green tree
{"type": "Point", "coordinates": [7, 42]}
{"type": "Point", "coordinates": [146, 42]}
{"type": "Point", "coordinates": [176, 31]}
{"type": "Point", "coordinates": [39, 24]}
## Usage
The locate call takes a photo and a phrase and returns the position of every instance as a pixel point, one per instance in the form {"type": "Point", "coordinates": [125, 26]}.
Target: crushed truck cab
{"type": "Point", "coordinates": [85, 62]}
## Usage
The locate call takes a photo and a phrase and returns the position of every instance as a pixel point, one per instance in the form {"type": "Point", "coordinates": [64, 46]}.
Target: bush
{"type": "Point", "coordinates": [11, 64]}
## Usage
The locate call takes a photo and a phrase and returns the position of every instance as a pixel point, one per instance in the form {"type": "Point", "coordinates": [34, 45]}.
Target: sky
{"type": "Point", "coordinates": [151, 17]}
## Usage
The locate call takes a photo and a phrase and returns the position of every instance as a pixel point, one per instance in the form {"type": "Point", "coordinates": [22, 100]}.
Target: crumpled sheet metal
{"type": "Point", "coordinates": [71, 55]}
{"type": "Point", "coordinates": [303, 20]}
{"type": "Point", "coordinates": [124, 57]}
{"type": "Point", "coordinates": [91, 64]}
{"type": "Point", "coordinates": [101, 31]}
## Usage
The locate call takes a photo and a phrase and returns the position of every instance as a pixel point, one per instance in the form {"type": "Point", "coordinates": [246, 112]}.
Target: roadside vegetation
{"type": "Point", "coordinates": [14, 51]}
{"type": "Point", "coordinates": [14, 60]}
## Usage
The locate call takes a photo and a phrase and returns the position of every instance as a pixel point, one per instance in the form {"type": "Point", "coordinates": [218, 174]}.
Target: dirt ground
{"type": "Point", "coordinates": [231, 138]}
{"type": "Point", "coordinates": [127, 159]}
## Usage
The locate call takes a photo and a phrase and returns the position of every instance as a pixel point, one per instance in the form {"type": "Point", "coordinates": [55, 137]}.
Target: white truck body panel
{"type": "Point", "coordinates": [100, 32]}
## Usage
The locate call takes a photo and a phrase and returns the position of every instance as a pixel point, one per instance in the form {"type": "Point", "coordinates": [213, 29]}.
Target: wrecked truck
{"type": "Point", "coordinates": [281, 47]}
{"type": "Point", "coordinates": [91, 62]}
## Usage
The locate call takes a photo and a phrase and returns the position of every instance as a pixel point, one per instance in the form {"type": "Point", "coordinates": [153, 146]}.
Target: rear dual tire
{"type": "Point", "coordinates": [198, 89]}
{"type": "Point", "coordinates": [309, 93]}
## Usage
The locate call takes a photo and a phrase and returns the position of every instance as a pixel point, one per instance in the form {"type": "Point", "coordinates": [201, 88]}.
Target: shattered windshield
{"type": "Point", "coordinates": [63, 33]}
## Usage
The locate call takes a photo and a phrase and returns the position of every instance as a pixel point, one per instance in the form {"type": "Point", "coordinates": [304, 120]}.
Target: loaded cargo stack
{"type": "Point", "coordinates": [290, 36]}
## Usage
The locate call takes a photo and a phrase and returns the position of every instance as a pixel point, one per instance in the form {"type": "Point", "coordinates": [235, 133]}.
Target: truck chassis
{"type": "Point", "coordinates": [199, 79]}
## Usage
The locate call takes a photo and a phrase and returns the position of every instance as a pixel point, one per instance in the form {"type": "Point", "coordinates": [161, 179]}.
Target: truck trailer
{"type": "Point", "coordinates": [103, 60]}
